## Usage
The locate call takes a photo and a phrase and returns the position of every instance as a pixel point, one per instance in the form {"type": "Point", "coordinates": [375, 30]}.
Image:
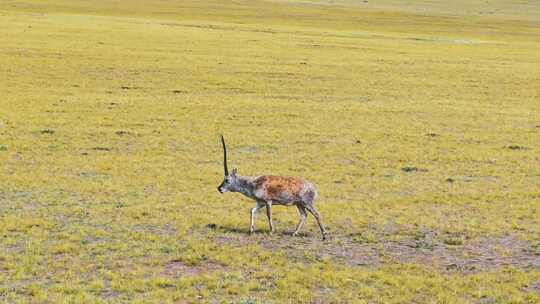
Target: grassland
{"type": "Point", "coordinates": [419, 122]}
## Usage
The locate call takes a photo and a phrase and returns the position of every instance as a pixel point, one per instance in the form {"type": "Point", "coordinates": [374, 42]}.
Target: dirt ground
{"type": "Point", "coordinates": [445, 254]}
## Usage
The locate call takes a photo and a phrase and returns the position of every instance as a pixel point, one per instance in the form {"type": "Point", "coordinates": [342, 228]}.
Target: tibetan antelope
{"type": "Point", "coordinates": [268, 190]}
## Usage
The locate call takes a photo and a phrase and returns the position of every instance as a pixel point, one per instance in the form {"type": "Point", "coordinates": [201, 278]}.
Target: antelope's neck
{"type": "Point", "coordinates": [245, 186]}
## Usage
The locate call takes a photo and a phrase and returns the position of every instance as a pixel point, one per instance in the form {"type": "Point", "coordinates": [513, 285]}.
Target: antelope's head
{"type": "Point", "coordinates": [230, 180]}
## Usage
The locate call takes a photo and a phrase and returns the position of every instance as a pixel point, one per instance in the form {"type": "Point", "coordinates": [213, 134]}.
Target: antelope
{"type": "Point", "coordinates": [268, 190]}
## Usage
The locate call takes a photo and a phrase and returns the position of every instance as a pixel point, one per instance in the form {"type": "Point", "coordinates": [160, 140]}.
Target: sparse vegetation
{"type": "Point", "coordinates": [420, 125]}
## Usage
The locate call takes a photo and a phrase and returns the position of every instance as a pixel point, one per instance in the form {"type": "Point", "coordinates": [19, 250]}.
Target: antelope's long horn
{"type": "Point", "coordinates": [224, 156]}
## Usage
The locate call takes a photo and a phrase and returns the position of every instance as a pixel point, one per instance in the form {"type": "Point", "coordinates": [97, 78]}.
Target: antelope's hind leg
{"type": "Point", "coordinates": [317, 216]}
{"type": "Point", "coordinates": [303, 216]}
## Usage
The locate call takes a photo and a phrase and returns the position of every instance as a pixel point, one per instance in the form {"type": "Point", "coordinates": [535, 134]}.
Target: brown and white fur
{"type": "Point", "coordinates": [268, 190]}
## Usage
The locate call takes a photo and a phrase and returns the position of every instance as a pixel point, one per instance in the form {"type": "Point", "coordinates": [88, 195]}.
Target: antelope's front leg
{"type": "Point", "coordinates": [269, 215]}
{"type": "Point", "coordinates": [253, 213]}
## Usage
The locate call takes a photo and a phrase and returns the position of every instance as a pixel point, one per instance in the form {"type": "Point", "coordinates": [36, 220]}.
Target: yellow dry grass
{"type": "Point", "coordinates": [418, 121]}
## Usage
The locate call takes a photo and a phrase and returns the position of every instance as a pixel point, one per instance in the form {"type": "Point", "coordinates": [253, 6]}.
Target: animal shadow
{"type": "Point", "coordinates": [245, 231]}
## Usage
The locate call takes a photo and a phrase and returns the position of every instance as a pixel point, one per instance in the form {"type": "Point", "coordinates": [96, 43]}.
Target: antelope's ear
{"type": "Point", "coordinates": [234, 172]}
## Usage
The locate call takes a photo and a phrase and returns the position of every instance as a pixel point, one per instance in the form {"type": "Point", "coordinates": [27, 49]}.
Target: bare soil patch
{"type": "Point", "coordinates": [470, 256]}
{"type": "Point", "coordinates": [177, 269]}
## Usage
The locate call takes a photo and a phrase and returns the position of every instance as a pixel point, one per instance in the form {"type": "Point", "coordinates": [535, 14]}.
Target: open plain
{"type": "Point", "coordinates": [419, 122]}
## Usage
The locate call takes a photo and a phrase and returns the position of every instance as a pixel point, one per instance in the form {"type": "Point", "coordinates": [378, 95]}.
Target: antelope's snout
{"type": "Point", "coordinates": [222, 187]}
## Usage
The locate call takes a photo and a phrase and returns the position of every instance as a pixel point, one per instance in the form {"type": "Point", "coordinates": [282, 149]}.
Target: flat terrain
{"type": "Point", "coordinates": [419, 121]}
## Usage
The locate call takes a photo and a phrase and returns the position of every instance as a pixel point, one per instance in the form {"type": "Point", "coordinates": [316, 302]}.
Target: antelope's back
{"type": "Point", "coordinates": [286, 190]}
